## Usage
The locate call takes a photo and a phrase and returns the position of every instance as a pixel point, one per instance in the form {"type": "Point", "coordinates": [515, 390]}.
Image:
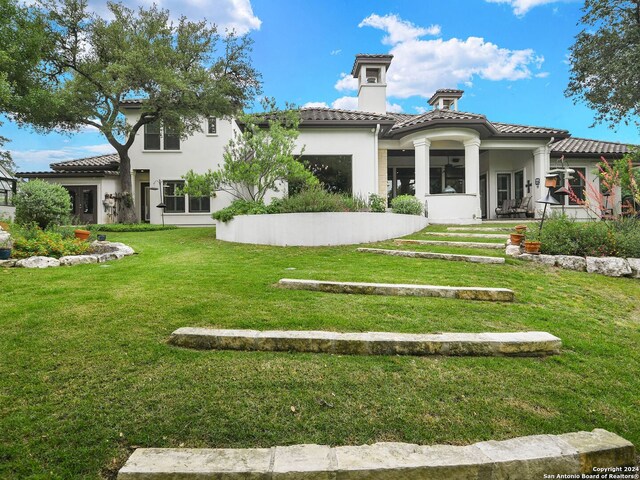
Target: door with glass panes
{"type": "Point", "coordinates": [83, 203]}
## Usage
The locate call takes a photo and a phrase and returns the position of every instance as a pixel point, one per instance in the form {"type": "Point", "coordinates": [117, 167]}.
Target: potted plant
{"type": "Point", "coordinates": [516, 238]}
{"type": "Point", "coordinates": [5, 248]}
{"type": "Point", "coordinates": [521, 229]}
{"type": "Point", "coordinates": [82, 234]}
{"type": "Point", "coordinates": [532, 243]}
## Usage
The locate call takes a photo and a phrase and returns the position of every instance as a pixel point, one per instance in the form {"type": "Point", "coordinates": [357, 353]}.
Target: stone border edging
{"type": "Point", "coordinates": [609, 266]}
{"type": "Point", "coordinates": [399, 289]}
{"type": "Point", "coordinates": [517, 344]}
{"type": "Point", "coordinates": [523, 457]}
{"type": "Point", "coordinates": [106, 251]}
{"type": "Point", "coordinates": [445, 243]}
{"type": "Point", "coordinates": [433, 255]}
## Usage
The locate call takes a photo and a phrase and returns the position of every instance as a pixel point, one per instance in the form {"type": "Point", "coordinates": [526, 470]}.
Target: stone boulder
{"type": "Point", "coordinates": [610, 266]}
{"type": "Point", "coordinates": [634, 263]}
{"type": "Point", "coordinates": [545, 259]}
{"type": "Point", "coordinates": [111, 247]}
{"type": "Point", "coordinates": [105, 257]}
{"type": "Point", "coordinates": [513, 250]}
{"type": "Point", "coordinates": [571, 262]}
{"type": "Point", "coordinates": [78, 260]}
{"type": "Point", "coordinates": [38, 262]}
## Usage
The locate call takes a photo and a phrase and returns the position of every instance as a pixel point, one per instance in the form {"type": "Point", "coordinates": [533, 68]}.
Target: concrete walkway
{"type": "Point", "coordinates": [432, 255]}
{"type": "Point", "coordinates": [517, 344]}
{"type": "Point", "coordinates": [399, 289]}
{"type": "Point", "coordinates": [532, 457]}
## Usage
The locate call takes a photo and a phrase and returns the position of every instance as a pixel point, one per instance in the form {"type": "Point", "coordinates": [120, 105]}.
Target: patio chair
{"type": "Point", "coordinates": [506, 208]}
{"type": "Point", "coordinates": [522, 206]}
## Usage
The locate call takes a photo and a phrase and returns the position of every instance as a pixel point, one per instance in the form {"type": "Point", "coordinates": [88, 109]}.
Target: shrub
{"type": "Point", "coordinates": [406, 204]}
{"type": "Point", "coordinates": [377, 203]}
{"type": "Point", "coordinates": [240, 207]}
{"type": "Point", "coordinates": [42, 203]}
{"type": "Point", "coordinates": [317, 199]}
{"type": "Point", "coordinates": [129, 227]}
{"type": "Point", "coordinates": [30, 241]}
{"type": "Point", "coordinates": [564, 236]}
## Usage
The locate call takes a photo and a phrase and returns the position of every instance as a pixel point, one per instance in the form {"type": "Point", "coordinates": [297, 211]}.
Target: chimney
{"type": "Point", "coordinates": [371, 72]}
{"type": "Point", "coordinates": [446, 99]}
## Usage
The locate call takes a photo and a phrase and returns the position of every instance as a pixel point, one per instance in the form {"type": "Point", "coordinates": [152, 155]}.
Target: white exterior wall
{"type": "Point", "coordinates": [360, 143]}
{"type": "Point", "coordinates": [200, 152]}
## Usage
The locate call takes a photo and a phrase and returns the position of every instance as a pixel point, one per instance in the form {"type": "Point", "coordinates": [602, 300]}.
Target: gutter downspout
{"type": "Point", "coordinates": [376, 160]}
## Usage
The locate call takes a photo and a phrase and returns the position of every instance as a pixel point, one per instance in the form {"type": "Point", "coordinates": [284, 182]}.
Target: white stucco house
{"type": "Point", "coordinates": [461, 165]}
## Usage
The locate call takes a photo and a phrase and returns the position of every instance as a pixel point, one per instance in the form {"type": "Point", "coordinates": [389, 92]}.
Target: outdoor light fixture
{"type": "Point", "coordinates": [547, 200]}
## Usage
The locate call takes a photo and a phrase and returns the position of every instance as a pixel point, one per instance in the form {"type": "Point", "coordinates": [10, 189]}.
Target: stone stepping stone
{"type": "Point", "coordinates": [480, 229]}
{"type": "Point", "coordinates": [399, 289]}
{"type": "Point", "coordinates": [432, 255]}
{"type": "Point", "coordinates": [523, 457]}
{"type": "Point", "coordinates": [518, 344]}
{"type": "Point", "coordinates": [447, 243]}
{"type": "Point", "coordinates": [468, 235]}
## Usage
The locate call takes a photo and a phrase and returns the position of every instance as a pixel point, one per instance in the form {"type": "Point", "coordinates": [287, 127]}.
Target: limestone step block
{"type": "Point", "coordinates": [468, 235]}
{"type": "Point", "coordinates": [447, 243]}
{"type": "Point", "coordinates": [8, 263]}
{"type": "Point", "coordinates": [634, 264]}
{"type": "Point", "coordinates": [480, 229]}
{"type": "Point", "coordinates": [432, 255]}
{"type": "Point", "coordinates": [78, 260]}
{"type": "Point", "coordinates": [517, 344]}
{"type": "Point", "coordinates": [399, 289]}
{"type": "Point", "coordinates": [518, 458]}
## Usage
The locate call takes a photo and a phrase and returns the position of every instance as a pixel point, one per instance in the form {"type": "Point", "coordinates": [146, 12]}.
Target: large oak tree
{"type": "Point", "coordinates": [605, 61]}
{"type": "Point", "coordinates": [181, 72]}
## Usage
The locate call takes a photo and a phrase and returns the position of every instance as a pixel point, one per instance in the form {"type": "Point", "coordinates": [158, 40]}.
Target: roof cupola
{"type": "Point", "coordinates": [371, 72]}
{"type": "Point", "coordinates": [446, 99]}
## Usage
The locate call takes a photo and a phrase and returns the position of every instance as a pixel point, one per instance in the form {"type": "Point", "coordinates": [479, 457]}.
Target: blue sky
{"type": "Point", "coordinates": [509, 56]}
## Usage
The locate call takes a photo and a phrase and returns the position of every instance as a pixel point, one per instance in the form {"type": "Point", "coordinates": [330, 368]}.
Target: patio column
{"type": "Point", "coordinates": [472, 166]}
{"type": "Point", "coordinates": [422, 168]}
{"type": "Point", "coordinates": [541, 164]}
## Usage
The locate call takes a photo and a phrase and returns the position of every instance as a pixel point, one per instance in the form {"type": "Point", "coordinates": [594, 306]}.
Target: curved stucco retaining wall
{"type": "Point", "coordinates": [318, 229]}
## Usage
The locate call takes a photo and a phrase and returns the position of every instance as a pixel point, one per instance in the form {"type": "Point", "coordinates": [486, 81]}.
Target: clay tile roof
{"type": "Point", "coordinates": [511, 129]}
{"type": "Point", "coordinates": [443, 92]}
{"type": "Point", "coordinates": [98, 163]}
{"type": "Point", "coordinates": [314, 114]}
{"type": "Point", "coordinates": [574, 145]}
{"type": "Point", "coordinates": [434, 115]}
{"type": "Point", "coordinates": [132, 101]}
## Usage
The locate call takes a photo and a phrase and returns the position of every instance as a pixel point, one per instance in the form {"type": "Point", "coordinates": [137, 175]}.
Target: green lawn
{"type": "Point", "coordinates": [86, 375]}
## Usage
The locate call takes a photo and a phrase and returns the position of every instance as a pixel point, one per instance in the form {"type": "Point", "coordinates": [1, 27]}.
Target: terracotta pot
{"type": "Point", "coordinates": [516, 238]}
{"type": "Point", "coordinates": [532, 247]}
{"type": "Point", "coordinates": [4, 226]}
{"type": "Point", "coordinates": [521, 229]}
{"type": "Point", "coordinates": [82, 234]}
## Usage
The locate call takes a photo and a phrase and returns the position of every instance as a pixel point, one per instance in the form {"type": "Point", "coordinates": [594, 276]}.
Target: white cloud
{"type": "Point", "coordinates": [38, 160]}
{"type": "Point", "coordinates": [315, 105]}
{"type": "Point", "coordinates": [420, 66]}
{"type": "Point", "coordinates": [346, 103]}
{"type": "Point", "coordinates": [336, 52]}
{"type": "Point", "coordinates": [521, 7]}
{"type": "Point", "coordinates": [542, 75]}
{"type": "Point", "coordinates": [420, 110]}
{"type": "Point", "coordinates": [226, 14]}
{"type": "Point", "coordinates": [346, 82]}
{"type": "Point", "coordinates": [398, 30]}
{"type": "Point", "coordinates": [394, 108]}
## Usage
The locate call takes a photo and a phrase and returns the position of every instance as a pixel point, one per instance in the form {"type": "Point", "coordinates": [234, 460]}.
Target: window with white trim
{"type": "Point", "coordinates": [199, 204]}
{"type": "Point", "coordinates": [161, 137]}
{"type": "Point", "coordinates": [212, 126]}
{"type": "Point", "coordinates": [173, 199]}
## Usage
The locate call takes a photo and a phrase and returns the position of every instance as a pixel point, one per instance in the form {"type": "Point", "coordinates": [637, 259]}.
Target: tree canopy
{"type": "Point", "coordinates": [605, 61]}
{"type": "Point", "coordinates": [23, 42]}
{"type": "Point", "coordinates": [181, 72]}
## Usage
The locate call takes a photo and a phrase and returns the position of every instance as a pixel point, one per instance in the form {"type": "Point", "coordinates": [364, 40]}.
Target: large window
{"type": "Point", "coordinates": [400, 181]}
{"type": "Point", "coordinates": [172, 197]}
{"type": "Point", "coordinates": [199, 204]}
{"type": "Point", "coordinates": [503, 187]}
{"type": "Point", "coordinates": [333, 171]}
{"type": "Point", "coordinates": [518, 184]}
{"type": "Point", "coordinates": [157, 138]}
{"type": "Point", "coordinates": [577, 184]}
